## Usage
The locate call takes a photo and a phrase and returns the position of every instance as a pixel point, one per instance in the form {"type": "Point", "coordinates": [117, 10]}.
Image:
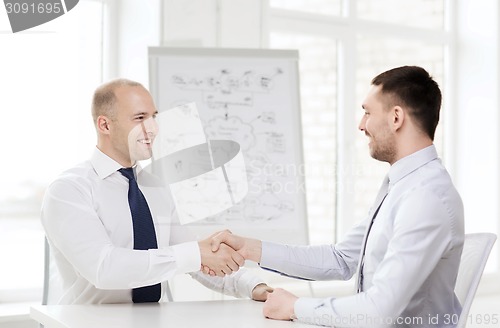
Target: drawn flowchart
{"type": "Point", "coordinates": [254, 103]}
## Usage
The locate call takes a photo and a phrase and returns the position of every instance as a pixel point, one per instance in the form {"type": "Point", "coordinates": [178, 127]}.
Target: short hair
{"type": "Point", "coordinates": [104, 98]}
{"type": "Point", "coordinates": [414, 88]}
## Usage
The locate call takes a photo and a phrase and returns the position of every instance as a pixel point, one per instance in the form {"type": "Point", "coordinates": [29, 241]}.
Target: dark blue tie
{"type": "Point", "coordinates": [144, 234]}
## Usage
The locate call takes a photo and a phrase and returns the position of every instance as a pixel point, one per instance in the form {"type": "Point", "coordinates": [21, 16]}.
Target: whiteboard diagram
{"type": "Point", "coordinates": [250, 97]}
{"type": "Point", "coordinates": [205, 176]}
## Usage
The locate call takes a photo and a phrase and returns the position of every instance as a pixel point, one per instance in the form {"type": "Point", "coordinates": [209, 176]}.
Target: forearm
{"type": "Point", "coordinates": [119, 268]}
{"type": "Point", "coordinates": [239, 284]}
{"type": "Point", "coordinates": [308, 262]}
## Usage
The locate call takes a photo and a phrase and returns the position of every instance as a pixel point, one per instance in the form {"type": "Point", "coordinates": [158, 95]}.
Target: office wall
{"type": "Point", "coordinates": [132, 26]}
{"type": "Point", "coordinates": [477, 116]}
{"type": "Point", "coordinates": [214, 23]}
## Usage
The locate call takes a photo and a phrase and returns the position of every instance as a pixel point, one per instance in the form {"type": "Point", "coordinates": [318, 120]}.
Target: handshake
{"type": "Point", "coordinates": [224, 253]}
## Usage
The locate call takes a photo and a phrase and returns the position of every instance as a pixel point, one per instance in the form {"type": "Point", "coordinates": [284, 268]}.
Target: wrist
{"type": "Point", "coordinates": [254, 250]}
{"type": "Point", "coordinates": [204, 246]}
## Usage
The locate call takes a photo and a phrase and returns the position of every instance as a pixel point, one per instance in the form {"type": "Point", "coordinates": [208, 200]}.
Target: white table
{"type": "Point", "coordinates": [220, 314]}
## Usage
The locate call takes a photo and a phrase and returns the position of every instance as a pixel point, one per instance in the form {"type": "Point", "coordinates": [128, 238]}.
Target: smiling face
{"type": "Point", "coordinates": [376, 124]}
{"type": "Point", "coordinates": [132, 129]}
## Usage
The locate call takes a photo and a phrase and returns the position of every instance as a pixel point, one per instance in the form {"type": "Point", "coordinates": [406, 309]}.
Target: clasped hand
{"type": "Point", "coordinates": [221, 253]}
{"type": "Point", "coordinates": [224, 253]}
{"type": "Point", "coordinates": [221, 261]}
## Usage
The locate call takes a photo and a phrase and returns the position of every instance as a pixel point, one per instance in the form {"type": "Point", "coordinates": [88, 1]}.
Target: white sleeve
{"type": "Point", "coordinates": [74, 228]}
{"type": "Point", "coordinates": [238, 284]}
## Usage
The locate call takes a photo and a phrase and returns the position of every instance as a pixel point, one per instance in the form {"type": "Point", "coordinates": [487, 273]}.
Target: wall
{"type": "Point", "coordinates": [213, 23]}
{"type": "Point", "coordinates": [476, 109]}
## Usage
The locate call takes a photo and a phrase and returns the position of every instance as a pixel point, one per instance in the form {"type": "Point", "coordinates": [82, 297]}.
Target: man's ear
{"type": "Point", "coordinates": [103, 124]}
{"type": "Point", "coordinates": [398, 117]}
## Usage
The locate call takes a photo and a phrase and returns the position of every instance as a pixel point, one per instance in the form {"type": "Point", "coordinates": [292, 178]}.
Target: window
{"type": "Point", "coordinates": [318, 65]}
{"type": "Point", "coordinates": [328, 7]}
{"type": "Point", "coordinates": [48, 76]}
{"type": "Point", "coordinates": [420, 13]}
{"type": "Point", "coordinates": [342, 46]}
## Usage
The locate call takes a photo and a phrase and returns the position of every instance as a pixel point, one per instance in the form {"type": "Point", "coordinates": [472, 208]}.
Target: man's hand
{"type": "Point", "coordinates": [249, 248]}
{"type": "Point", "coordinates": [260, 292]}
{"type": "Point", "coordinates": [280, 305]}
{"type": "Point", "coordinates": [224, 260]}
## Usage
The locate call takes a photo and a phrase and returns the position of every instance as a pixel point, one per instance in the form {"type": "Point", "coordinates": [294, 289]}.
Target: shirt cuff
{"type": "Point", "coordinates": [187, 256]}
{"type": "Point", "coordinates": [312, 311]}
{"type": "Point", "coordinates": [248, 282]}
{"type": "Point", "coordinates": [271, 253]}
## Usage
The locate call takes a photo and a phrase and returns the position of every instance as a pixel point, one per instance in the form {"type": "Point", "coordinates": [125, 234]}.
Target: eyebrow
{"type": "Point", "coordinates": [145, 113]}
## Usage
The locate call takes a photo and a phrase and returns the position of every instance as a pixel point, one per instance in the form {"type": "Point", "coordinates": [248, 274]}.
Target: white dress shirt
{"type": "Point", "coordinates": [87, 220]}
{"type": "Point", "coordinates": [412, 255]}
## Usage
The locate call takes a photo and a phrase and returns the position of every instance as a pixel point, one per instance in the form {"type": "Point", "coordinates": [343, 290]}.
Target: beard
{"type": "Point", "coordinates": [383, 148]}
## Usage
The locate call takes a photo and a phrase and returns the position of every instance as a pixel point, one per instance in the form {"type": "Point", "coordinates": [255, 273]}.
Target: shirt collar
{"type": "Point", "coordinates": [410, 163]}
{"type": "Point", "coordinates": [103, 164]}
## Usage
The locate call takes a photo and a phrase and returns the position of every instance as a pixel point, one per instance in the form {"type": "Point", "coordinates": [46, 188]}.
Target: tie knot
{"type": "Point", "coordinates": [128, 172]}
